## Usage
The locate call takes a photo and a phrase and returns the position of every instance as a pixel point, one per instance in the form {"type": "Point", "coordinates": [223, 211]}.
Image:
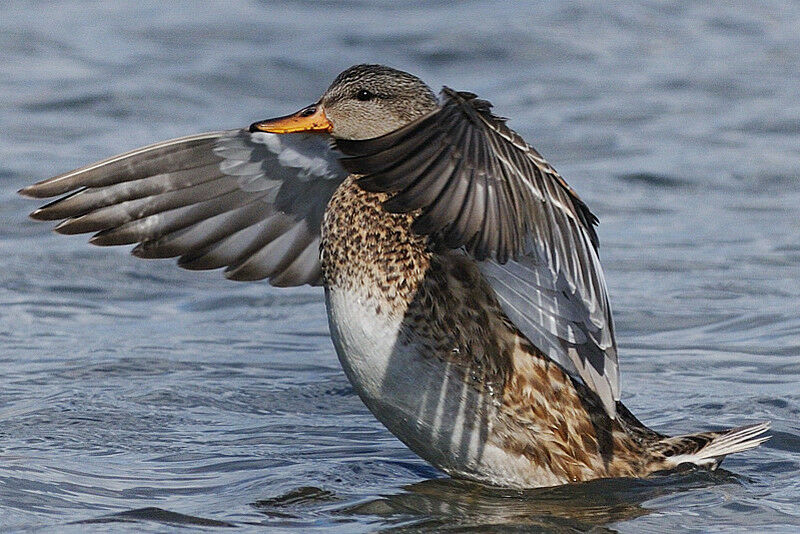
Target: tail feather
{"type": "Point", "coordinates": [709, 448]}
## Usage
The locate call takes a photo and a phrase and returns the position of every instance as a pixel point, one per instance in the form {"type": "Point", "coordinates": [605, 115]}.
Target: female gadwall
{"type": "Point", "coordinates": [465, 296]}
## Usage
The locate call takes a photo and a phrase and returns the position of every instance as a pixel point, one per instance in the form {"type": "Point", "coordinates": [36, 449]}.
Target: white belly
{"type": "Point", "coordinates": [421, 399]}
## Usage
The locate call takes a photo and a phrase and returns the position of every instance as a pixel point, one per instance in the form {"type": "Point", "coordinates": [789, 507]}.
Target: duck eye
{"type": "Point", "coordinates": [364, 95]}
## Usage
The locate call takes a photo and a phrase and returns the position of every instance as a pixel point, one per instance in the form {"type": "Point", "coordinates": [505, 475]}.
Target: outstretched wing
{"type": "Point", "coordinates": [479, 186]}
{"type": "Point", "coordinates": [252, 203]}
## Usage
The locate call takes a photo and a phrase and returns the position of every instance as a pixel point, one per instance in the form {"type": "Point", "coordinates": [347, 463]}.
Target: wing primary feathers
{"type": "Point", "coordinates": [93, 198]}
{"type": "Point", "coordinates": [154, 225]}
{"type": "Point", "coordinates": [213, 200]}
{"type": "Point", "coordinates": [273, 257]}
{"type": "Point", "coordinates": [182, 153]}
{"type": "Point", "coordinates": [201, 234]}
{"type": "Point", "coordinates": [486, 190]}
{"type": "Point", "coordinates": [235, 248]}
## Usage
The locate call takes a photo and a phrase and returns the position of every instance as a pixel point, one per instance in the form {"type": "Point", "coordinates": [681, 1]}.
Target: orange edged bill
{"type": "Point", "coordinates": [309, 119]}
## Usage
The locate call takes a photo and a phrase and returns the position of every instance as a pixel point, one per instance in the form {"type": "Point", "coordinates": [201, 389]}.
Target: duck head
{"type": "Point", "coordinates": [363, 102]}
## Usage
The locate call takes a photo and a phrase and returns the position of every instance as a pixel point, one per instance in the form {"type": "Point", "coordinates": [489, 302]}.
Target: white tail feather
{"type": "Point", "coordinates": [726, 442]}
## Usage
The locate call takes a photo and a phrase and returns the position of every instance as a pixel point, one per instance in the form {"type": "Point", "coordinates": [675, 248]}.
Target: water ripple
{"type": "Point", "coordinates": [139, 397]}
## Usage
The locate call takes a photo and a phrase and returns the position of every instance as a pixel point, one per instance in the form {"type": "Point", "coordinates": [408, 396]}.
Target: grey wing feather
{"type": "Point", "coordinates": [479, 186]}
{"type": "Point", "coordinates": [251, 203]}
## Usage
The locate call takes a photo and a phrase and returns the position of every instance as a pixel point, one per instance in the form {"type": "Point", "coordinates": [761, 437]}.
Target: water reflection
{"type": "Point", "coordinates": [156, 515]}
{"type": "Point", "coordinates": [574, 507]}
{"type": "Point", "coordinates": [128, 385]}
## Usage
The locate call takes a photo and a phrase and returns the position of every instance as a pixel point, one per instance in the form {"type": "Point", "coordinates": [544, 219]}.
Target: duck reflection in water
{"type": "Point", "coordinates": [453, 503]}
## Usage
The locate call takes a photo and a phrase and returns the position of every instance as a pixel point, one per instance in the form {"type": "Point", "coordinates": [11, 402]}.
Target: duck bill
{"type": "Point", "coordinates": [309, 119]}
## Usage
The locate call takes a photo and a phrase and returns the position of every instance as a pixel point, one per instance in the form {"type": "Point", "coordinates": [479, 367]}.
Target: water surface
{"type": "Point", "coordinates": [140, 397]}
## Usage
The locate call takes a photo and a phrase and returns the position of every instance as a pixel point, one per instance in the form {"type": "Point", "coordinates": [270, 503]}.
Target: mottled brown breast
{"type": "Point", "coordinates": [448, 308]}
{"type": "Point", "coordinates": [364, 247]}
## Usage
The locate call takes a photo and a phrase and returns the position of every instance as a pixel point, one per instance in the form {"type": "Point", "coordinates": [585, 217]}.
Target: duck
{"type": "Point", "coordinates": [461, 274]}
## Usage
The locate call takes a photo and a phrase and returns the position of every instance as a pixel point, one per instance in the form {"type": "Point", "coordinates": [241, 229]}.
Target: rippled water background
{"type": "Point", "coordinates": [136, 396]}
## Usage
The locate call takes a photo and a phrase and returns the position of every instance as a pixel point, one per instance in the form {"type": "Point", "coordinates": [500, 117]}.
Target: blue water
{"type": "Point", "coordinates": [136, 396]}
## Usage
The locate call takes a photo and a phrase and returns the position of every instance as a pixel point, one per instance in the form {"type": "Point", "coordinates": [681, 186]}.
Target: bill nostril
{"type": "Point", "coordinates": [307, 112]}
